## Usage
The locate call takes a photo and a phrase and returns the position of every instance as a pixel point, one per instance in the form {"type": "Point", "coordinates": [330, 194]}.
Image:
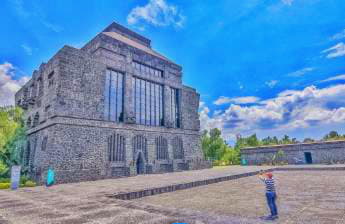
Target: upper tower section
{"type": "Point", "coordinates": [117, 28]}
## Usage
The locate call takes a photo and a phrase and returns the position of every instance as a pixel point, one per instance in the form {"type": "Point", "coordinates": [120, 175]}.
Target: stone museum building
{"type": "Point", "coordinates": [113, 108]}
{"type": "Point", "coordinates": [303, 153]}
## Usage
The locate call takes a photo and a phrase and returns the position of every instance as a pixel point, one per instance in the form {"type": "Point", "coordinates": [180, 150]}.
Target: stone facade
{"type": "Point", "coordinates": [304, 153]}
{"type": "Point", "coordinates": [65, 104]}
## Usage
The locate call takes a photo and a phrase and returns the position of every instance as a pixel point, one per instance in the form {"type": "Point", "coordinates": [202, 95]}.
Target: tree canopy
{"type": "Point", "coordinates": [12, 138]}
{"type": "Point", "coordinates": [216, 149]}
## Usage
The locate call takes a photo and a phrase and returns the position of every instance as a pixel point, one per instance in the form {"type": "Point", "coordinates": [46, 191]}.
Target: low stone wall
{"type": "Point", "coordinates": [171, 188]}
{"type": "Point", "coordinates": [320, 152]}
{"type": "Point", "coordinates": [183, 186]}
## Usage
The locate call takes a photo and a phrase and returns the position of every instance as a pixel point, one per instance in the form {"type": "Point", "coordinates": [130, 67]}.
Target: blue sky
{"type": "Point", "coordinates": [261, 66]}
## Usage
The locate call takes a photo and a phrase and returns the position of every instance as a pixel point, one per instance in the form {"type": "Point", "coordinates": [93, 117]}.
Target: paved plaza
{"type": "Point", "coordinates": [305, 197]}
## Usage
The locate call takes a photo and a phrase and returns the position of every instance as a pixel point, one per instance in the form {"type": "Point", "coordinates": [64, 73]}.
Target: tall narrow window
{"type": "Point", "coordinates": [140, 145]}
{"type": "Point", "coordinates": [148, 102]}
{"type": "Point", "coordinates": [175, 107]}
{"type": "Point", "coordinates": [27, 153]}
{"type": "Point", "coordinates": [36, 120]}
{"type": "Point", "coordinates": [44, 143]}
{"type": "Point", "coordinates": [116, 148]}
{"type": "Point", "coordinates": [38, 89]}
{"type": "Point", "coordinates": [51, 79]}
{"type": "Point", "coordinates": [28, 122]}
{"type": "Point", "coordinates": [147, 70]}
{"type": "Point", "coordinates": [113, 93]}
{"type": "Point", "coordinates": [177, 145]}
{"type": "Point", "coordinates": [162, 148]}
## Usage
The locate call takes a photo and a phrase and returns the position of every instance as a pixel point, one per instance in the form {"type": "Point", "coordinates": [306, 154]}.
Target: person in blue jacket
{"type": "Point", "coordinates": [50, 177]}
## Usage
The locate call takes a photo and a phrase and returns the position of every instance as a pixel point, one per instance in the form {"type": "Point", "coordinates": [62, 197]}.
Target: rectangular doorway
{"type": "Point", "coordinates": [308, 158]}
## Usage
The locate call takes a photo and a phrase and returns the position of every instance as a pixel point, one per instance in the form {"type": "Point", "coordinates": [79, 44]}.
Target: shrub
{"type": "Point", "coordinates": [23, 179]}
{"type": "Point", "coordinates": [5, 185]}
{"type": "Point", "coordinates": [30, 183]}
{"type": "Point", "coordinates": [5, 180]}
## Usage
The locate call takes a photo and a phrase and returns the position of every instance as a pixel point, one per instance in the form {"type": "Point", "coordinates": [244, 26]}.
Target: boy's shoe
{"type": "Point", "coordinates": [275, 217]}
{"type": "Point", "coordinates": [269, 218]}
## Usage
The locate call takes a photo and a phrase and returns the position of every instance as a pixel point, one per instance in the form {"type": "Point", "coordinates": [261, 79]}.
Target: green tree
{"type": "Point", "coordinates": [308, 140]}
{"type": "Point", "coordinates": [333, 135]}
{"type": "Point", "coordinates": [231, 157]}
{"type": "Point", "coordinates": [243, 142]}
{"type": "Point", "coordinates": [213, 144]}
{"type": "Point", "coordinates": [12, 137]}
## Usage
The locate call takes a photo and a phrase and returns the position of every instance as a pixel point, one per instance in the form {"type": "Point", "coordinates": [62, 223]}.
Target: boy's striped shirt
{"type": "Point", "coordinates": [270, 186]}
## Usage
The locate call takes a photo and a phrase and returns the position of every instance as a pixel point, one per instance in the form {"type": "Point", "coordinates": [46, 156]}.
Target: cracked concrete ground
{"type": "Point", "coordinates": [305, 197]}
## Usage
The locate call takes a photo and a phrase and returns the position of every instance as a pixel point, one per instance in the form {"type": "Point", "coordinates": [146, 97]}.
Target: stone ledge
{"type": "Point", "coordinates": [182, 186]}
{"type": "Point", "coordinates": [171, 188]}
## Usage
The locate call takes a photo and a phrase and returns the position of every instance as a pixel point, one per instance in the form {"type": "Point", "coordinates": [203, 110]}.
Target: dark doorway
{"type": "Point", "coordinates": [140, 164]}
{"type": "Point", "coordinates": [308, 158]}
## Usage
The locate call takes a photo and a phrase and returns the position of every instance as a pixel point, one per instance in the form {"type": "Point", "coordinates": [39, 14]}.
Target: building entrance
{"type": "Point", "coordinates": [140, 164]}
{"type": "Point", "coordinates": [308, 158]}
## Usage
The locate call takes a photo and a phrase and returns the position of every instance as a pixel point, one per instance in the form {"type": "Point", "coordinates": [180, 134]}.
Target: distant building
{"type": "Point", "coordinates": [113, 108]}
{"type": "Point", "coordinates": [302, 153]}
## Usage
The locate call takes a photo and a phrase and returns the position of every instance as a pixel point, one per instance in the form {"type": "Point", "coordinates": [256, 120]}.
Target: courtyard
{"type": "Point", "coordinates": [305, 196]}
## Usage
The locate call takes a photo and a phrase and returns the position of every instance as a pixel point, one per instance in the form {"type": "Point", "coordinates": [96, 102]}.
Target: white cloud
{"type": "Point", "coordinates": [272, 83]}
{"type": "Point", "coordinates": [338, 36]}
{"type": "Point", "coordinates": [335, 51]}
{"type": "Point", "coordinates": [157, 13]}
{"type": "Point", "coordinates": [27, 49]}
{"type": "Point", "coordinates": [334, 78]}
{"type": "Point", "coordinates": [287, 2]}
{"type": "Point", "coordinates": [289, 110]}
{"type": "Point", "coordinates": [237, 100]}
{"type": "Point", "coordinates": [301, 72]}
{"type": "Point", "coordinates": [8, 85]}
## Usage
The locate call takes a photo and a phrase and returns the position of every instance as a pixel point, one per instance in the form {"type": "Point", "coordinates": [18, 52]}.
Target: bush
{"type": "Point", "coordinates": [23, 179]}
{"type": "Point", "coordinates": [5, 180]}
{"type": "Point", "coordinates": [30, 183]}
{"type": "Point", "coordinates": [5, 185]}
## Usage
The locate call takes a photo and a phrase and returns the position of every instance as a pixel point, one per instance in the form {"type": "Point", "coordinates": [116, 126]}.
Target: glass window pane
{"type": "Point", "coordinates": [157, 104]}
{"type": "Point", "coordinates": [142, 102]}
{"type": "Point", "coordinates": [137, 100]}
{"type": "Point", "coordinates": [147, 103]}
{"type": "Point", "coordinates": [161, 105]}
{"type": "Point", "coordinates": [152, 99]}
{"type": "Point", "coordinates": [106, 95]}
{"type": "Point", "coordinates": [112, 96]}
{"type": "Point", "coordinates": [120, 97]}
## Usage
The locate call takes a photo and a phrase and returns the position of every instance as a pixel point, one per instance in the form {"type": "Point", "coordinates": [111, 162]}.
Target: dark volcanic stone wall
{"type": "Point", "coordinates": [321, 152]}
{"type": "Point", "coordinates": [71, 133]}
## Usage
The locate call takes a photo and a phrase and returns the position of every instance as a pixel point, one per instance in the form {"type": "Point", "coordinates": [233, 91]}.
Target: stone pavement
{"type": "Point", "coordinates": [88, 202]}
{"type": "Point", "coordinates": [303, 197]}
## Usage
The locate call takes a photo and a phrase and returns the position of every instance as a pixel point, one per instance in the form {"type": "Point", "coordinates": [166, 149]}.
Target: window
{"type": "Point", "coordinates": [140, 145]}
{"type": "Point", "coordinates": [31, 93]}
{"type": "Point", "coordinates": [116, 148]}
{"type": "Point", "coordinates": [175, 108]}
{"type": "Point", "coordinates": [44, 143]}
{"type": "Point", "coordinates": [39, 87]}
{"type": "Point", "coordinates": [148, 102]}
{"type": "Point", "coordinates": [27, 153]}
{"type": "Point", "coordinates": [51, 79]}
{"type": "Point", "coordinates": [177, 145]}
{"type": "Point", "coordinates": [113, 92]}
{"type": "Point", "coordinates": [147, 70]}
{"type": "Point", "coordinates": [162, 148]}
{"type": "Point", "coordinates": [28, 122]}
{"type": "Point", "coordinates": [36, 120]}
